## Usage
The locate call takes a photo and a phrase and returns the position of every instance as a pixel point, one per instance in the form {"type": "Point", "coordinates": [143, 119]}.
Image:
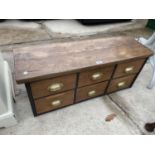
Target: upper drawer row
{"type": "Point", "coordinates": [68, 82]}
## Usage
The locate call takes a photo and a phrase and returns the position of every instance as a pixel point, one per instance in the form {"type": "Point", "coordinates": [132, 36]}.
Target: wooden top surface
{"type": "Point", "coordinates": [50, 60]}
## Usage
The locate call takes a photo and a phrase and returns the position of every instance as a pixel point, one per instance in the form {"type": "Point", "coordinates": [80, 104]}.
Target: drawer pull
{"type": "Point", "coordinates": [55, 87]}
{"type": "Point", "coordinates": [121, 84]}
{"type": "Point", "coordinates": [56, 103]}
{"type": "Point", "coordinates": [97, 76]}
{"type": "Point", "coordinates": [91, 93]}
{"type": "Point", "coordinates": [128, 69]}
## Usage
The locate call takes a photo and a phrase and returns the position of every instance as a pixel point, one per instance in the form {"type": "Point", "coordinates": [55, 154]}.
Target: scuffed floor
{"type": "Point", "coordinates": [132, 108]}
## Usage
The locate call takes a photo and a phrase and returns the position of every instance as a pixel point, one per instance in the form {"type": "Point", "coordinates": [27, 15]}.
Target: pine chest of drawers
{"type": "Point", "coordinates": [61, 74]}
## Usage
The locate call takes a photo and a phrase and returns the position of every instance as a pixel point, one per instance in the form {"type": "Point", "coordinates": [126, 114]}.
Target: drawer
{"type": "Point", "coordinates": [54, 102]}
{"type": "Point", "coordinates": [53, 86]}
{"type": "Point", "coordinates": [90, 91]}
{"type": "Point", "coordinates": [95, 76]}
{"type": "Point", "coordinates": [128, 68]}
{"type": "Point", "coordinates": [120, 83]}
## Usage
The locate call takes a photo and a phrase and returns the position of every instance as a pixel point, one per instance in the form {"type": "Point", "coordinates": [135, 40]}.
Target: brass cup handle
{"type": "Point", "coordinates": [55, 87]}
{"type": "Point", "coordinates": [56, 103]}
{"type": "Point", "coordinates": [91, 93]}
{"type": "Point", "coordinates": [121, 84]}
{"type": "Point", "coordinates": [129, 69]}
{"type": "Point", "coordinates": [97, 76]}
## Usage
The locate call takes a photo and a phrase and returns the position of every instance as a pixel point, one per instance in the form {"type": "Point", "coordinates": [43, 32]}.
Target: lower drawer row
{"type": "Point", "coordinates": [66, 98]}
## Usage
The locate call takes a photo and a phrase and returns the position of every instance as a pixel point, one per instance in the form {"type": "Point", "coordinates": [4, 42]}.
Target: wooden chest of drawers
{"type": "Point", "coordinates": [60, 74]}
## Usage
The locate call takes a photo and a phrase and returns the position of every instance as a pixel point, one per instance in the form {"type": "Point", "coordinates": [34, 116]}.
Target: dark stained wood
{"type": "Point", "coordinates": [46, 61]}
{"type": "Point", "coordinates": [40, 88]}
{"type": "Point", "coordinates": [45, 104]}
{"type": "Point", "coordinates": [83, 93]}
{"type": "Point", "coordinates": [85, 78]}
{"type": "Point", "coordinates": [29, 93]}
{"type": "Point", "coordinates": [136, 65]}
{"type": "Point", "coordinates": [113, 86]}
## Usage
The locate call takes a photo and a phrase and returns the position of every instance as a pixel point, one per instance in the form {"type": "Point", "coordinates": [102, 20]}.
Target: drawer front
{"type": "Point", "coordinates": [90, 91]}
{"type": "Point", "coordinates": [120, 83]}
{"type": "Point", "coordinates": [128, 68]}
{"type": "Point", "coordinates": [95, 76]}
{"type": "Point", "coordinates": [53, 86]}
{"type": "Point", "coordinates": [54, 102]}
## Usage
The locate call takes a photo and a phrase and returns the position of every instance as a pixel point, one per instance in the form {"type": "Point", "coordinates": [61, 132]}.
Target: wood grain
{"type": "Point", "coordinates": [136, 65]}
{"type": "Point", "coordinates": [40, 88]}
{"type": "Point", "coordinates": [51, 60]}
{"type": "Point", "coordinates": [44, 104]}
{"type": "Point", "coordinates": [82, 93]}
{"type": "Point", "coordinates": [113, 86]}
{"type": "Point", "coordinates": [71, 65]}
{"type": "Point", "coordinates": [85, 78]}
